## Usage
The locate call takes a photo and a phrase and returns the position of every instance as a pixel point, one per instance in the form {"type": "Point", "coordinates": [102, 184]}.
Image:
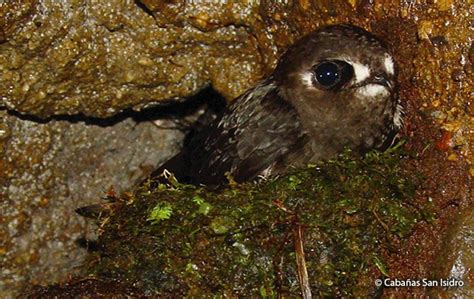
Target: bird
{"type": "Point", "coordinates": [335, 88]}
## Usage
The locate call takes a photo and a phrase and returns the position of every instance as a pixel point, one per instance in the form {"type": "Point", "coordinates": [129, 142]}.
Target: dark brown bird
{"type": "Point", "coordinates": [332, 89]}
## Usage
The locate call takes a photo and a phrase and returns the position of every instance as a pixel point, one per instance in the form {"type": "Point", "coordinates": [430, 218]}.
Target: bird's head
{"type": "Point", "coordinates": [342, 81]}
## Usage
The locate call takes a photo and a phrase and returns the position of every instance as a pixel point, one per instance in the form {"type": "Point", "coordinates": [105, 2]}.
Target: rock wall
{"type": "Point", "coordinates": [71, 71]}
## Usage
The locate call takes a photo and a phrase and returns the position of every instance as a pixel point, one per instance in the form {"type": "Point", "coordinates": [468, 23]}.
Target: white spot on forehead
{"type": "Point", "coordinates": [361, 71]}
{"type": "Point", "coordinates": [372, 90]}
{"type": "Point", "coordinates": [388, 63]}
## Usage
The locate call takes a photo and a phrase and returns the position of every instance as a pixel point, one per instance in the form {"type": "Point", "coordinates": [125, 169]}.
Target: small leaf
{"type": "Point", "coordinates": [380, 265]}
{"type": "Point", "coordinates": [161, 211]}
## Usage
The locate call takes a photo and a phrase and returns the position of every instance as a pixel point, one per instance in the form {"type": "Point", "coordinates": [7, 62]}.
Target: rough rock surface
{"type": "Point", "coordinates": [457, 260]}
{"type": "Point", "coordinates": [98, 58]}
{"type": "Point", "coordinates": [48, 170]}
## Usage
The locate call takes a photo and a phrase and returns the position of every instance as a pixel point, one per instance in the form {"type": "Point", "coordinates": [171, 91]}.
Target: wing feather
{"type": "Point", "coordinates": [257, 131]}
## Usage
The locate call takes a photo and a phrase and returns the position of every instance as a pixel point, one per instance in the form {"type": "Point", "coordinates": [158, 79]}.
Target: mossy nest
{"type": "Point", "coordinates": [320, 230]}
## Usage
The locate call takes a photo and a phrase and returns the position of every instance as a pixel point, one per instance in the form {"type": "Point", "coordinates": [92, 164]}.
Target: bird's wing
{"type": "Point", "coordinates": [259, 129]}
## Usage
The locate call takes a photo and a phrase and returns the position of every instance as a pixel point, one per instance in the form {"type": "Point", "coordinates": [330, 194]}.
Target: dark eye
{"type": "Point", "coordinates": [333, 74]}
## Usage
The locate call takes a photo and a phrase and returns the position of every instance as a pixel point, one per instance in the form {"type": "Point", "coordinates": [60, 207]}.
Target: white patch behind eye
{"type": "Point", "coordinates": [361, 71]}
{"type": "Point", "coordinates": [372, 90]}
{"type": "Point", "coordinates": [388, 63]}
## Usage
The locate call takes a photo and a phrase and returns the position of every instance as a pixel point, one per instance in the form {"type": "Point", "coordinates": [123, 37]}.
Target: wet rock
{"type": "Point", "coordinates": [98, 58]}
{"type": "Point", "coordinates": [456, 259]}
{"type": "Point", "coordinates": [48, 170]}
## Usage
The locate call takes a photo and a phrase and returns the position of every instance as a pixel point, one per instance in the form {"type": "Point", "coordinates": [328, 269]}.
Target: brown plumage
{"type": "Point", "coordinates": [332, 89]}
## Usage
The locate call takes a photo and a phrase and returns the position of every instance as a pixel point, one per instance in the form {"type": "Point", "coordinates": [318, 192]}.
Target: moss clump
{"type": "Point", "coordinates": [335, 217]}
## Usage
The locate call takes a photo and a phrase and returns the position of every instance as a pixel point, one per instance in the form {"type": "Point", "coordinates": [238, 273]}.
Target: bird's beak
{"type": "Point", "coordinates": [382, 79]}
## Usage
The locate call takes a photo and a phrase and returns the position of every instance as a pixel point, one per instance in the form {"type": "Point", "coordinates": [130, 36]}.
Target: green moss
{"type": "Point", "coordinates": [240, 240]}
{"type": "Point", "coordinates": [161, 211]}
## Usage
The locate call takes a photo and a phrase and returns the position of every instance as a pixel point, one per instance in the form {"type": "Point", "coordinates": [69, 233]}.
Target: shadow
{"type": "Point", "coordinates": [207, 98]}
{"type": "Point", "coordinates": [144, 8]}
{"type": "Point", "coordinates": [89, 245]}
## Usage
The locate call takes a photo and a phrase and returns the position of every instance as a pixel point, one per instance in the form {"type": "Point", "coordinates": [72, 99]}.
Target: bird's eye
{"type": "Point", "coordinates": [333, 74]}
